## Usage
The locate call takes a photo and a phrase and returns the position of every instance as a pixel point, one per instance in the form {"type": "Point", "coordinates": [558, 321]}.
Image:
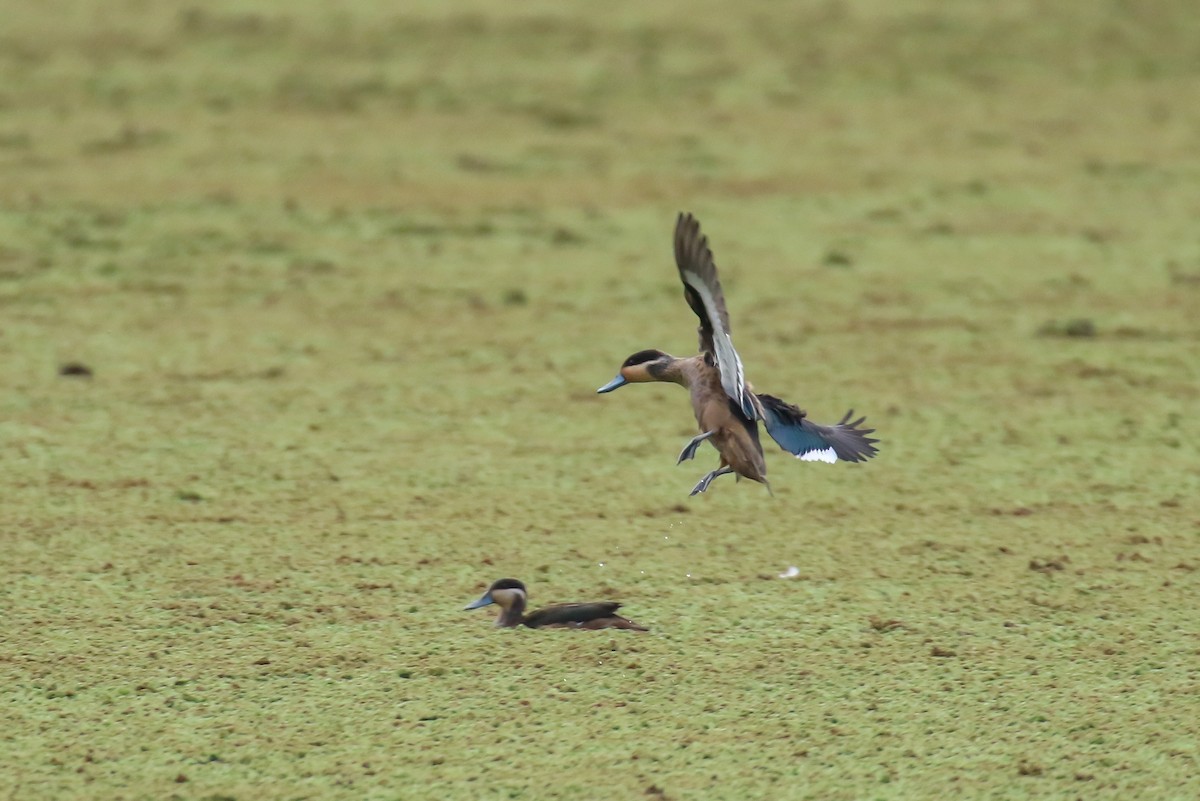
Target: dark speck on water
{"type": "Point", "coordinates": [75, 370]}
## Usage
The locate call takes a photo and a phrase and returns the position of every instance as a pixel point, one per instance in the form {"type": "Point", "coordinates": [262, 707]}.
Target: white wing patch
{"type": "Point", "coordinates": [824, 455]}
{"type": "Point", "coordinates": [733, 376]}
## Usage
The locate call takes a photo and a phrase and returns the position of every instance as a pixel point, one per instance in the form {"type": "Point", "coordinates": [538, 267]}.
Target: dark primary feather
{"type": "Point", "coordinates": [692, 253]}
{"type": "Point", "coordinates": [796, 434]}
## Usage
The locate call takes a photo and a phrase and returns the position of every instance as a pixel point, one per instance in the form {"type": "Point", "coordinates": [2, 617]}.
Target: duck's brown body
{"type": "Point", "coordinates": [595, 615]}
{"type": "Point", "coordinates": [734, 437]}
{"type": "Point", "coordinates": [726, 406]}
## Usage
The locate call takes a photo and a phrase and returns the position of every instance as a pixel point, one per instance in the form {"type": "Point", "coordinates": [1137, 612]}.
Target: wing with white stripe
{"type": "Point", "coordinates": [812, 442]}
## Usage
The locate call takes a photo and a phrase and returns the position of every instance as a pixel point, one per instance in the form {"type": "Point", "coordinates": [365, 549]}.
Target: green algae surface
{"type": "Point", "coordinates": [346, 278]}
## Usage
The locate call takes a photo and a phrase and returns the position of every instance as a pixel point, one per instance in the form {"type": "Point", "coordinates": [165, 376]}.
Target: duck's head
{"type": "Point", "coordinates": [645, 365]}
{"type": "Point", "coordinates": [506, 593]}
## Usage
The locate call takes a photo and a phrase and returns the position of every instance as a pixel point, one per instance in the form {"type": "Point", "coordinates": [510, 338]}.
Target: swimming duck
{"type": "Point", "coordinates": [509, 594]}
{"type": "Point", "coordinates": [726, 406]}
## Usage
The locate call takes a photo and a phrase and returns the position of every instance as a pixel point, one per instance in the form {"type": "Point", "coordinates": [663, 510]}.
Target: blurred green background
{"type": "Point", "coordinates": [347, 276]}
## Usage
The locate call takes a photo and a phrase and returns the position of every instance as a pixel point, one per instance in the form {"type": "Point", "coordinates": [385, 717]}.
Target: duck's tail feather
{"type": "Point", "coordinates": [812, 442]}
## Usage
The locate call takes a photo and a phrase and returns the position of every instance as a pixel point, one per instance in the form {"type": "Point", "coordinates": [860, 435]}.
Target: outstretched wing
{"type": "Point", "coordinates": [812, 442]}
{"type": "Point", "coordinates": [703, 292]}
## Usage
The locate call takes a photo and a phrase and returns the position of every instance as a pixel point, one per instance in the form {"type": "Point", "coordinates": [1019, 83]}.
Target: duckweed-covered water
{"type": "Point", "coordinates": [346, 280]}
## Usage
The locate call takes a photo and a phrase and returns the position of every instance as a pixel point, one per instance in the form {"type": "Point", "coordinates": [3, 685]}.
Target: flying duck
{"type": "Point", "coordinates": [727, 408]}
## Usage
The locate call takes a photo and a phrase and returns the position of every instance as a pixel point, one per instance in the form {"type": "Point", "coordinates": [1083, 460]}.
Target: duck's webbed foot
{"type": "Point", "coordinates": [689, 450]}
{"type": "Point", "coordinates": [704, 482]}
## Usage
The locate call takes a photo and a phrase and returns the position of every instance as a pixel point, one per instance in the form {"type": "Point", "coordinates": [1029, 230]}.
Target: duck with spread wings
{"type": "Point", "coordinates": [726, 406]}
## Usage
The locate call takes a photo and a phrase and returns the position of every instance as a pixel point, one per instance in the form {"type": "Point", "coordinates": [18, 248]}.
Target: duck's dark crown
{"type": "Point", "coordinates": [643, 356]}
{"type": "Point", "coordinates": [507, 584]}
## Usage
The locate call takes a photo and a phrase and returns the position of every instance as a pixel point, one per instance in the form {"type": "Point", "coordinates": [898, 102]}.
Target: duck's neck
{"type": "Point", "coordinates": [670, 371]}
{"type": "Point", "coordinates": [514, 614]}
